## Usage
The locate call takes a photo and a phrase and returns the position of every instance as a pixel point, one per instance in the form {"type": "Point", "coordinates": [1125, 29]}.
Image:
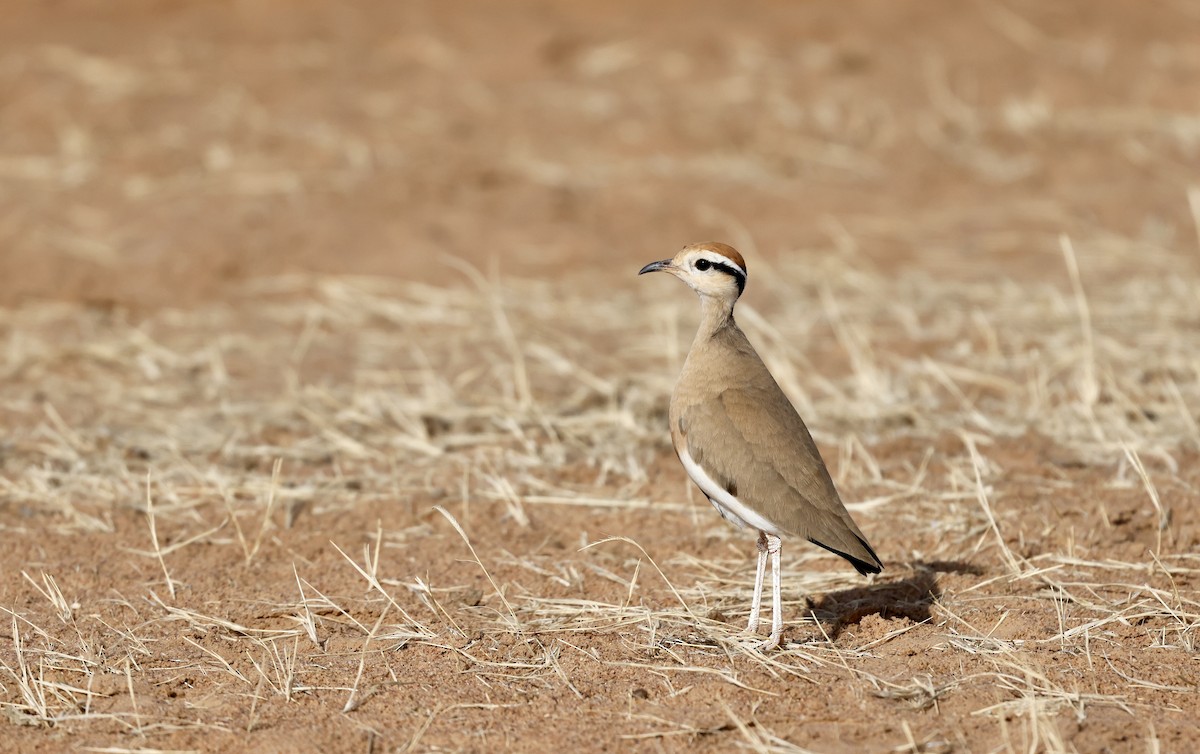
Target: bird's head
{"type": "Point", "coordinates": [712, 269]}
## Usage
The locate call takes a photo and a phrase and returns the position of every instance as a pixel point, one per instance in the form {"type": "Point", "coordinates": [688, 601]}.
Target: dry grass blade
{"type": "Point", "coordinates": [266, 520]}
{"type": "Point", "coordinates": [1162, 517]}
{"type": "Point", "coordinates": [50, 590]}
{"type": "Point", "coordinates": [1010, 560]}
{"type": "Point", "coordinates": [1089, 389]}
{"type": "Point", "coordinates": [308, 622]}
{"type": "Point", "coordinates": [154, 538]}
{"type": "Point", "coordinates": [514, 622]}
{"type": "Point", "coordinates": [682, 602]}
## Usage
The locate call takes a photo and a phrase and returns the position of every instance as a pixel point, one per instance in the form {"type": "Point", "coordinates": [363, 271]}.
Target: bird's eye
{"type": "Point", "coordinates": [703, 264]}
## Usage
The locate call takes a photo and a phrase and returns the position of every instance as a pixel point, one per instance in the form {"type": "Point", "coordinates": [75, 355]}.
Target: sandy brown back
{"type": "Point", "coordinates": [739, 426]}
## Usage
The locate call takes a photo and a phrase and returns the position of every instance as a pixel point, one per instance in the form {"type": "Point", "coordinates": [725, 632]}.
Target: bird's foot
{"type": "Point", "coordinates": [749, 638]}
{"type": "Point", "coordinates": [771, 642]}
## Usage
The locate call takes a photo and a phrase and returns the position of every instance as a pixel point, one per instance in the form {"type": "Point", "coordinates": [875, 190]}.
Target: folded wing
{"type": "Point", "coordinates": [769, 462]}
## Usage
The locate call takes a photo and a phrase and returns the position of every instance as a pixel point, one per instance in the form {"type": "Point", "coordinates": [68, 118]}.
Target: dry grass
{"type": "Point", "coordinates": [361, 398]}
{"type": "Point", "coordinates": [359, 512]}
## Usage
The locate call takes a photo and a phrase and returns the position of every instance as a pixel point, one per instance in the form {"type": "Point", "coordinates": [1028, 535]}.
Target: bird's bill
{"type": "Point", "coordinates": [659, 266]}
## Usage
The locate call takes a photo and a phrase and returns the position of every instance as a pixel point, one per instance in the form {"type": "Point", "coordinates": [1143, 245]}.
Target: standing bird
{"type": "Point", "coordinates": [741, 441]}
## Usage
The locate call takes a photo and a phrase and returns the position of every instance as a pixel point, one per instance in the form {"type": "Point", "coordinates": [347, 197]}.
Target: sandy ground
{"type": "Point", "coordinates": [334, 413]}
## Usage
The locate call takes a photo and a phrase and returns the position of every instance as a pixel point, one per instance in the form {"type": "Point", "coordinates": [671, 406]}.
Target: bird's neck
{"type": "Point", "coordinates": [715, 315]}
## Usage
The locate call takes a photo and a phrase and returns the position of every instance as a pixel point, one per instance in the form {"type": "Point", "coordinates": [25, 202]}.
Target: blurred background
{"type": "Point", "coordinates": [292, 273]}
{"type": "Point", "coordinates": [157, 153]}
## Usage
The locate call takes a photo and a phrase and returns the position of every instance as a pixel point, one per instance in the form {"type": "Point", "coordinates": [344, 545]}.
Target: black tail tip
{"type": "Point", "coordinates": [864, 567]}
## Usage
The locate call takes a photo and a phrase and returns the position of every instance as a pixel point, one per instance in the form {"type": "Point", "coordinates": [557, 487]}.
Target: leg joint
{"type": "Point", "coordinates": [774, 543]}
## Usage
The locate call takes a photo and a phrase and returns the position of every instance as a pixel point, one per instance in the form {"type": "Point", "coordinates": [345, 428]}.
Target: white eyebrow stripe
{"type": "Point", "coordinates": [724, 260]}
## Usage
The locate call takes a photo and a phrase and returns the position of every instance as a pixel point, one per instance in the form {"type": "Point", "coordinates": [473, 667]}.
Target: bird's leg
{"type": "Point", "coordinates": [774, 545]}
{"type": "Point", "coordinates": [756, 603]}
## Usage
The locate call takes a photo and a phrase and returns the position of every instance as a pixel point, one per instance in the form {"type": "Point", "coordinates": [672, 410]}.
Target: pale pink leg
{"type": "Point", "coordinates": [756, 603]}
{"type": "Point", "coordinates": [774, 545]}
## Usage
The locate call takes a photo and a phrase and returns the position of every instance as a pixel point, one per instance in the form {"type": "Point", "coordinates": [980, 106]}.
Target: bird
{"type": "Point", "coordinates": [740, 439]}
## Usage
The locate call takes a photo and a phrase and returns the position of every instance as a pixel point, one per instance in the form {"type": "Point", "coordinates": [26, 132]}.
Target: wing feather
{"type": "Point", "coordinates": [749, 438]}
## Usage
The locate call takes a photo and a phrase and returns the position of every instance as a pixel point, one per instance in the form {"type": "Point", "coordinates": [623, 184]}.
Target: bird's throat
{"type": "Point", "coordinates": [715, 315]}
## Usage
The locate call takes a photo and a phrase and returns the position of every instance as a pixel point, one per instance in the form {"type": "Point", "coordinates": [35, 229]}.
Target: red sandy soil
{"type": "Point", "coordinates": [178, 181]}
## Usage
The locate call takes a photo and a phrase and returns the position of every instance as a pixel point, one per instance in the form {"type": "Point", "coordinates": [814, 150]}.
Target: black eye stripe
{"type": "Point", "coordinates": [727, 269]}
{"type": "Point", "coordinates": [737, 274]}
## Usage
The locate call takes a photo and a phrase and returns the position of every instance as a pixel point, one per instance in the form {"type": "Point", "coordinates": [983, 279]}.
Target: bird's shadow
{"type": "Point", "coordinates": [909, 597]}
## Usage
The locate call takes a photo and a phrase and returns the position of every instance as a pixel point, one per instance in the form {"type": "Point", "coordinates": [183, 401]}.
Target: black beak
{"type": "Point", "coordinates": [655, 266]}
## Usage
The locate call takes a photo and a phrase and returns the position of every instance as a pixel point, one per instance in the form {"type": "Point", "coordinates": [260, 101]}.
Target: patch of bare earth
{"type": "Point", "coordinates": [334, 415]}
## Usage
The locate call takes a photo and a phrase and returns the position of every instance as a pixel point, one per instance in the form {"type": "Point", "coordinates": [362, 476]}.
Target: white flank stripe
{"type": "Point", "coordinates": [731, 509]}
